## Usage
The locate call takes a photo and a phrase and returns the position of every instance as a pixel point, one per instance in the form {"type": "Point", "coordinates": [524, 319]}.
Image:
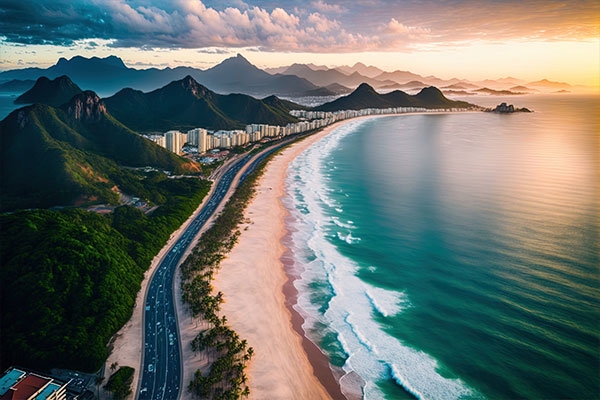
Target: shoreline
{"type": "Point", "coordinates": [260, 296]}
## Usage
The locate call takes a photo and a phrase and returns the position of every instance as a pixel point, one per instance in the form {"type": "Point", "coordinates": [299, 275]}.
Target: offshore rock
{"type": "Point", "coordinates": [503, 108]}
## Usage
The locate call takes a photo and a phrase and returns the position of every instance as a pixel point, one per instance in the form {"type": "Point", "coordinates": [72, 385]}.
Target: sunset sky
{"type": "Point", "coordinates": [531, 40]}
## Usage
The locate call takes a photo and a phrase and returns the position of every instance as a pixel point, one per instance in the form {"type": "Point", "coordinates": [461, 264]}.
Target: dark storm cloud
{"type": "Point", "coordinates": [57, 22]}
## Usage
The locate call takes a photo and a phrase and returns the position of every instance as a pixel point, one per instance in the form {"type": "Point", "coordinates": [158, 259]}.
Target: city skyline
{"type": "Point", "coordinates": [453, 39]}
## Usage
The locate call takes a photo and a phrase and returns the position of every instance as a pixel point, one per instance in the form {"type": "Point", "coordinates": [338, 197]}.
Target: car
{"type": "Point", "coordinates": [150, 367]}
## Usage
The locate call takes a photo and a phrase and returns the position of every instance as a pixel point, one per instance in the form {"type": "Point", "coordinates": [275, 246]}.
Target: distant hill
{"type": "Point", "coordinates": [334, 89]}
{"type": "Point", "coordinates": [545, 83]}
{"type": "Point", "coordinates": [410, 85]}
{"type": "Point", "coordinates": [52, 92]}
{"type": "Point", "coordinates": [317, 77]}
{"type": "Point", "coordinates": [400, 76]}
{"type": "Point", "coordinates": [238, 75]}
{"type": "Point", "coordinates": [366, 97]}
{"type": "Point", "coordinates": [63, 155]}
{"type": "Point", "coordinates": [494, 92]}
{"type": "Point", "coordinates": [334, 77]}
{"type": "Point", "coordinates": [17, 85]}
{"type": "Point", "coordinates": [368, 71]}
{"type": "Point", "coordinates": [520, 88]}
{"type": "Point", "coordinates": [109, 75]}
{"type": "Point", "coordinates": [186, 104]}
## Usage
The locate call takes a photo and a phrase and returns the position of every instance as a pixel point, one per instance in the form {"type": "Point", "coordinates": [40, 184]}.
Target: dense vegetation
{"type": "Point", "coordinates": [119, 383]}
{"type": "Point", "coordinates": [225, 352]}
{"type": "Point", "coordinates": [71, 155]}
{"type": "Point", "coordinates": [54, 92]}
{"type": "Point", "coordinates": [69, 278]}
{"type": "Point", "coordinates": [185, 104]}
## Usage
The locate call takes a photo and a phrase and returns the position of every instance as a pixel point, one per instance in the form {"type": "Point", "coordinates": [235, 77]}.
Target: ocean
{"type": "Point", "coordinates": [7, 104]}
{"type": "Point", "coordinates": [455, 255]}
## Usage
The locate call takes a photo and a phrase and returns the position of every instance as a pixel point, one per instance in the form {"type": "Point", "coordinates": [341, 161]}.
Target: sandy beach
{"type": "Point", "coordinates": [286, 365]}
{"type": "Point", "coordinates": [258, 293]}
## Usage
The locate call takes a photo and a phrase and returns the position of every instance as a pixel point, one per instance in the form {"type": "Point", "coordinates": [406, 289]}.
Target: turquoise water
{"type": "Point", "coordinates": [457, 255]}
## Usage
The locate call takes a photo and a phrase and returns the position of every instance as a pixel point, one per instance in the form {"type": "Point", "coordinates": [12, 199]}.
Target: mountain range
{"type": "Point", "coordinates": [107, 76]}
{"type": "Point", "coordinates": [365, 96]}
{"type": "Point", "coordinates": [58, 152]}
{"type": "Point", "coordinates": [71, 154]}
{"type": "Point", "coordinates": [185, 104]}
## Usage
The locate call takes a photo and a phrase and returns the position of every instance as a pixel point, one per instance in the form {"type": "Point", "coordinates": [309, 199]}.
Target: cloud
{"type": "Point", "coordinates": [326, 8]}
{"type": "Point", "coordinates": [322, 26]}
{"type": "Point", "coordinates": [214, 50]}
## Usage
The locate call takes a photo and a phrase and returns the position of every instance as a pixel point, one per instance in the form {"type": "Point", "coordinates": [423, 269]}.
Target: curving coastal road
{"type": "Point", "coordinates": [161, 369]}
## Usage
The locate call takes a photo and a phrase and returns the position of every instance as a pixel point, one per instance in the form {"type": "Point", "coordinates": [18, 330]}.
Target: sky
{"type": "Point", "coordinates": [465, 39]}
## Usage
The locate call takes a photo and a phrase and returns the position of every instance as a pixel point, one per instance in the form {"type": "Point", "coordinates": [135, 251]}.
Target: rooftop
{"type": "Point", "coordinates": [26, 388]}
{"type": "Point", "coordinates": [9, 379]}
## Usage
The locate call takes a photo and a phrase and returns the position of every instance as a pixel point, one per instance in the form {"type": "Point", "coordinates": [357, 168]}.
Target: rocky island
{"type": "Point", "coordinates": [503, 108]}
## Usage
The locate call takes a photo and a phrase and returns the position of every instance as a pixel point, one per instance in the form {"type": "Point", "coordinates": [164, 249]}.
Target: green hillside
{"type": "Point", "coordinates": [85, 270]}
{"type": "Point", "coordinates": [71, 155]}
{"type": "Point", "coordinates": [54, 92]}
{"type": "Point", "coordinates": [185, 104]}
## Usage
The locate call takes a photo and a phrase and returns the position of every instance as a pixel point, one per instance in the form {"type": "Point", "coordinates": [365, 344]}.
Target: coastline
{"type": "Point", "coordinates": [259, 296]}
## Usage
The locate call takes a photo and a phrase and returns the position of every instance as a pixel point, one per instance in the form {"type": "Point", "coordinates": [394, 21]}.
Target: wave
{"type": "Point", "coordinates": [387, 302]}
{"type": "Point", "coordinates": [348, 238]}
{"type": "Point", "coordinates": [353, 304]}
{"type": "Point", "coordinates": [347, 225]}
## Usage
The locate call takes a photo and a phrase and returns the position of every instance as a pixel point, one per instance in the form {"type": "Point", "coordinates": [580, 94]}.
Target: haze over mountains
{"type": "Point", "coordinates": [62, 152]}
{"type": "Point", "coordinates": [366, 97]}
{"type": "Point", "coordinates": [108, 75]}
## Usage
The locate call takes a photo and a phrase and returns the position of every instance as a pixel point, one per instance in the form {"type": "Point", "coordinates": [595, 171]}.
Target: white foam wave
{"type": "Point", "coordinates": [339, 223]}
{"type": "Point", "coordinates": [348, 238]}
{"type": "Point", "coordinates": [387, 302]}
{"type": "Point", "coordinates": [372, 352]}
{"type": "Point", "coordinates": [400, 380]}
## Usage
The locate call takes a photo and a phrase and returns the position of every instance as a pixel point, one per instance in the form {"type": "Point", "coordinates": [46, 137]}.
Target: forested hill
{"type": "Point", "coordinates": [54, 92]}
{"type": "Point", "coordinates": [71, 154]}
{"type": "Point", "coordinates": [366, 97]}
{"type": "Point", "coordinates": [185, 104]}
{"type": "Point", "coordinates": [69, 278]}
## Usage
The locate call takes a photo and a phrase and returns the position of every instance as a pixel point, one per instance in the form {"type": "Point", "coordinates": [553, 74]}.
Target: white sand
{"type": "Point", "coordinates": [252, 279]}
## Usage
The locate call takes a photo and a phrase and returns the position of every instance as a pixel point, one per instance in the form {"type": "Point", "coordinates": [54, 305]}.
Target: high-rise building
{"type": "Point", "coordinates": [174, 141]}
{"type": "Point", "coordinates": [197, 137]}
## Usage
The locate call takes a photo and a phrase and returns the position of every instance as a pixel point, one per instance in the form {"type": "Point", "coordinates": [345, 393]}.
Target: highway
{"type": "Point", "coordinates": [160, 372]}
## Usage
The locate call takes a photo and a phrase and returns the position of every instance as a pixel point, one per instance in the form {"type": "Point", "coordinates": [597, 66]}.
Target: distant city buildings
{"type": "Point", "coordinates": [206, 140]}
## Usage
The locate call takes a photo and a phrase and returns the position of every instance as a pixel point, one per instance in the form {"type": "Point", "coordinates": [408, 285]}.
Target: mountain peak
{"type": "Point", "coordinates": [238, 60]}
{"type": "Point", "coordinates": [86, 107]}
{"type": "Point", "coordinates": [52, 92]}
{"type": "Point", "coordinates": [78, 61]}
{"type": "Point", "coordinates": [365, 88]}
{"type": "Point", "coordinates": [430, 94]}
{"type": "Point", "coordinates": [190, 85]}
{"type": "Point", "coordinates": [114, 61]}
